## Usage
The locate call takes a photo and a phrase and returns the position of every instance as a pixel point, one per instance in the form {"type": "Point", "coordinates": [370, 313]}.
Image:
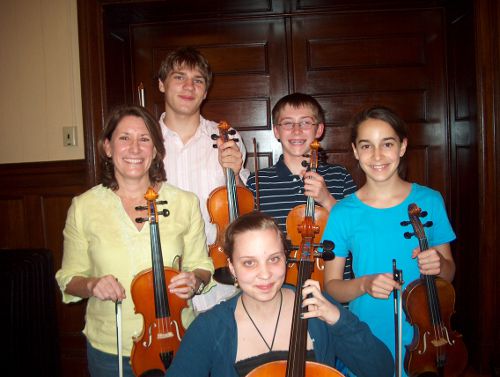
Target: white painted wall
{"type": "Point", "coordinates": [39, 80]}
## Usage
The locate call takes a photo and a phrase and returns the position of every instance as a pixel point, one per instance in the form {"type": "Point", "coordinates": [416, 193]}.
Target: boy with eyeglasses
{"type": "Point", "coordinates": [298, 120]}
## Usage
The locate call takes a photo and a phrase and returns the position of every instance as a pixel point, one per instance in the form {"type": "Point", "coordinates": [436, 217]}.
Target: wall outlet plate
{"type": "Point", "coordinates": [69, 136]}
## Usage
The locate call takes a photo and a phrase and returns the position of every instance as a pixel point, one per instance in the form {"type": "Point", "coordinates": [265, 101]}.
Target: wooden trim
{"type": "Point", "coordinates": [487, 13]}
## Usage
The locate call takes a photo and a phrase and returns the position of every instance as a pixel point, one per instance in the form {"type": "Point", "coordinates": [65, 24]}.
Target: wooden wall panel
{"type": "Point", "coordinates": [34, 199]}
{"type": "Point", "coordinates": [351, 61]}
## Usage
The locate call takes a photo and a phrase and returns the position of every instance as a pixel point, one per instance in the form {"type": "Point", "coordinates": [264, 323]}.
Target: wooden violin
{"type": "Point", "coordinates": [225, 204]}
{"type": "Point", "coordinates": [316, 215]}
{"type": "Point", "coordinates": [436, 350]}
{"type": "Point", "coordinates": [153, 350]}
{"type": "Point", "coordinates": [296, 364]}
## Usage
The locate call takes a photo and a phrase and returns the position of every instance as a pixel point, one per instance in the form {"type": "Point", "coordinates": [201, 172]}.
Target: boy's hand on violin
{"type": "Point", "coordinates": [317, 305]}
{"type": "Point", "coordinates": [230, 156]}
{"type": "Point", "coordinates": [106, 288]}
{"type": "Point", "coordinates": [429, 261]}
{"type": "Point", "coordinates": [183, 285]}
{"type": "Point", "coordinates": [379, 285]}
{"type": "Point", "coordinates": [315, 187]}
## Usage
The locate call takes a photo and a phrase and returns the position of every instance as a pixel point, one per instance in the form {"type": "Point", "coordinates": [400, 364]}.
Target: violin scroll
{"type": "Point", "coordinates": [225, 131]}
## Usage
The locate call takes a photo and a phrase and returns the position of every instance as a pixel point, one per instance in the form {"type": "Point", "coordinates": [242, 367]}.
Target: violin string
{"type": "Point", "coordinates": [434, 307]}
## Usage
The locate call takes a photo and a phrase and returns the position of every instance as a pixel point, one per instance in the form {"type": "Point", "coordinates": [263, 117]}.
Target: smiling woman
{"type": "Point", "coordinates": [105, 248]}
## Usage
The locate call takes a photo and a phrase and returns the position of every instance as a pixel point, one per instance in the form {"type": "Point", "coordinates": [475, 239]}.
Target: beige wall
{"type": "Point", "coordinates": [39, 80]}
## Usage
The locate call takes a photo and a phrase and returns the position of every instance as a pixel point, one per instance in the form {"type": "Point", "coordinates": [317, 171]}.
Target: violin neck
{"type": "Point", "coordinates": [431, 290]}
{"type": "Point", "coordinates": [309, 212]}
{"type": "Point", "coordinates": [162, 308]}
{"type": "Point", "coordinates": [232, 198]}
{"type": "Point", "coordinates": [298, 337]}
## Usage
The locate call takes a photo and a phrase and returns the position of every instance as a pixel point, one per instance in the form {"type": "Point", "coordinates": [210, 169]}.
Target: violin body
{"type": "Point", "coordinates": [162, 331]}
{"type": "Point", "coordinates": [278, 369]}
{"type": "Point", "coordinates": [225, 204]}
{"type": "Point", "coordinates": [426, 347]}
{"type": "Point", "coordinates": [298, 217]}
{"type": "Point", "coordinates": [429, 304]}
{"type": "Point", "coordinates": [294, 219]}
{"type": "Point", "coordinates": [160, 337]}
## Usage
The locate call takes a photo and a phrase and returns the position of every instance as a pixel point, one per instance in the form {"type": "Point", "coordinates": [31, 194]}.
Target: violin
{"type": "Point", "coordinates": [317, 215]}
{"type": "Point", "coordinates": [225, 204]}
{"type": "Point", "coordinates": [436, 350]}
{"type": "Point", "coordinates": [153, 350]}
{"type": "Point", "coordinates": [296, 364]}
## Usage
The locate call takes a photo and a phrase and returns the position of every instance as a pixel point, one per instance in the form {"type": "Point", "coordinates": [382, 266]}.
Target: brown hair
{"type": "Point", "coordinates": [297, 100]}
{"type": "Point", "coordinates": [185, 57]}
{"type": "Point", "coordinates": [156, 170]}
{"type": "Point", "coordinates": [246, 223]}
{"type": "Point", "coordinates": [381, 113]}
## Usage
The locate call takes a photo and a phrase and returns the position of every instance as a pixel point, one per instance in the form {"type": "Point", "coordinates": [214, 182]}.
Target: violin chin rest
{"type": "Point", "coordinates": [153, 373]}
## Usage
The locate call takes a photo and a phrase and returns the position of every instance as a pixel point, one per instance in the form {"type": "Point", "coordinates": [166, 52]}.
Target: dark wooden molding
{"type": "Point", "coordinates": [487, 14]}
{"type": "Point", "coordinates": [54, 177]}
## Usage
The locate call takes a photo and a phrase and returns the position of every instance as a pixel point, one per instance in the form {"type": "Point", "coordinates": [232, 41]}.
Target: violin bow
{"type": "Point", "coordinates": [398, 319]}
{"type": "Point", "coordinates": [140, 95]}
{"type": "Point", "coordinates": [256, 168]}
{"type": "Point", "coordinates": [118, 314]}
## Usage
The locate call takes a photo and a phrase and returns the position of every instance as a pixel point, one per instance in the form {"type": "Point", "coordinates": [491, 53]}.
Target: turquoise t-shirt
{"type": "Point", "coordinates": [375, 237]}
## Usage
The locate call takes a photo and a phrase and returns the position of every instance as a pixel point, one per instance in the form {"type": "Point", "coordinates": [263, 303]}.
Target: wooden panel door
{"type": "Point", "coordinates": [349, 61]}
{"type": "Point", "coordinates": [248, 59]}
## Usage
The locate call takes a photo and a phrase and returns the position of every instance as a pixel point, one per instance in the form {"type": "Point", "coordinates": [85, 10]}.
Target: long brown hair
{"type": "Point", "coordinates": [156, 170]}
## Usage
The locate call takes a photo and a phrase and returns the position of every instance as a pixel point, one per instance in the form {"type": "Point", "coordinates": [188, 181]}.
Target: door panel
{"type": "Point", "coordinates": [395, 59]}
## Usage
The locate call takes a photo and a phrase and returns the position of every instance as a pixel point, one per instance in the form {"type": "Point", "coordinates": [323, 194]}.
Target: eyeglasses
{"type": "Point", "coordinates": [304, 124]}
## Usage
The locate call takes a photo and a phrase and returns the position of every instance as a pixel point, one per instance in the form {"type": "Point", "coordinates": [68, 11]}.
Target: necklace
{"type": "Point", "coordinates": [275, 326]}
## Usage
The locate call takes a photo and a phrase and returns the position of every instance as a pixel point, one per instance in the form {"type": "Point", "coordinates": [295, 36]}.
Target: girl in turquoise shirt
{"type": "Point", "coordinates": [368, 224]}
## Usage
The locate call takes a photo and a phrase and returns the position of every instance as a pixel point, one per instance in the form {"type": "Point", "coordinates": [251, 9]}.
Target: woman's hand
{"type": "Point", "coordinates": [379, 285]}
{"type": "Point", "coordinates": [106, 288]}
{"type": "Point", "coordinates": [317, 305]}
{"type": "Point", "coordinates": [184, 285]}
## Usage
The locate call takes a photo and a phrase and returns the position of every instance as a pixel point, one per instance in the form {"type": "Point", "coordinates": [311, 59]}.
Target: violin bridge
{"type": "Point", "coordinates": [439, 342]}
{"type": "Point", "coordinates": [165, 335]}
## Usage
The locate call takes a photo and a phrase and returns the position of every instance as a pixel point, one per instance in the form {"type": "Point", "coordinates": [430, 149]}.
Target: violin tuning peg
{"type": "Point", "coordinates": [423, 213]}
{"type": "Point", "coordinates": [405, 223]}
{"type": "Point", "coordinates": [328, 246]}
{"type": "Point", "coordinates": [428, 224]}
{"type": "Point", "coordinates": [165, 212]}
{"type": "Point", "coordinates": [161, 202]}
{"type": "Point", "coordinates": [141, 220]}
{"type": "Point", "coordinates": [214, 136]}
{"type": "Point", "coordinates": [141, 208]}
{"type": "Point", "coordinates": [214, 145]}
{"type": "Point", "coordinates": [408, 235]}
{"type": "Point", "coordinates": [328, 255]}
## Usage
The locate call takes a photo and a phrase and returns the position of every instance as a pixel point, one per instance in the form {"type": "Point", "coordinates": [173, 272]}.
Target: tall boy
{"type": "Point", "coordinates": [191, 161]}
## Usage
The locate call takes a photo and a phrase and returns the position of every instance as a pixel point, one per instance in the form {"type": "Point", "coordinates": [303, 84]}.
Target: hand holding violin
{"type": "Point", "coordinates": [379, 285]}
{"type": "Point", "coordinates": [315, 187]}
{"type": "Point", "coordinates": [435, 261]}
{"type": "Point", "coordinates": [230, 156]}
{"type": "Point", "coordinates": [184, 285]}
{"type": "Point", "coordinates": [317, 305]}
